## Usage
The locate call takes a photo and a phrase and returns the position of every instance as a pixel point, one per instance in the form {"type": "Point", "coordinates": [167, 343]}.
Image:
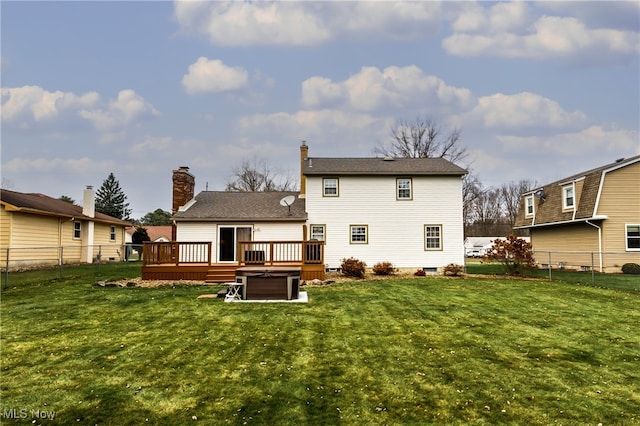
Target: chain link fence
{"type": "Point", "coordinates": [51, 262]}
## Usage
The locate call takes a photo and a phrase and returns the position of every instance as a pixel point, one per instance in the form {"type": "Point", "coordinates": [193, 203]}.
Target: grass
{"type": "Point", "coordinates": [399, 351]}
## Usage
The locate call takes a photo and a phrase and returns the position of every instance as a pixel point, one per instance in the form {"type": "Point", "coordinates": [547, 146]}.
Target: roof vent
{"type": "Point", "coordinates": [388, 159]}
{"type": "Point", "coordinates": [620, 160]}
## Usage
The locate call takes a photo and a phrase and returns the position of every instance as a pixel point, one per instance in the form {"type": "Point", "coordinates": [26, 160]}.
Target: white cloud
{"type": "Point", "coordinates": [213, 76]}
{"type": "Point", "coordinates": [28, 105]}
{"type": "Point", "coordinates": [151, 144]}
{"type": "Point", "coordinates": [589, 141]}
{"type": "Point", "coordinates": [306, 23]}
{"type": "Point", "coordinates": [127, 108]}
{"type": "Point", "coordinates": [33, 103]}
{"type": "Point", "coordinates": [510, 30]}
{"type": "Point", "coordinates": [394, 87]}
{"type": "Point", "coordinates": [522, 110]}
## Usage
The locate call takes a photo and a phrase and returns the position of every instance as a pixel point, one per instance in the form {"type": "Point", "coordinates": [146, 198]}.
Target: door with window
{"type": "Point", "coordinates": [228, 237]}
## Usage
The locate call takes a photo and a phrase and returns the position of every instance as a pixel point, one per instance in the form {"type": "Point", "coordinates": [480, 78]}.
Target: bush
{"type": "Point", "coordinates": [352, 267]}
{"type": "Point", "coordinates": [515, 253]}
{"type": "Point", "coordinates": [631, 268]}
{"type": "Point", "coordinates": [383, 268]}
{"type": "Point", "coordinates": [453, 270]}
{"type": "Point", "coordinates": [420, 273]}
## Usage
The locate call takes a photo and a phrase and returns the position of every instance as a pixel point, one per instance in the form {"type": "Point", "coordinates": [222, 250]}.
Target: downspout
{"type": "Point", "coordinates": [599, 241]}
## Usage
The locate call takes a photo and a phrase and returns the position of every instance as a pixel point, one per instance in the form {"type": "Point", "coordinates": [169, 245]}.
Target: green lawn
{"type": "Point", "coordinates": [400, 351]}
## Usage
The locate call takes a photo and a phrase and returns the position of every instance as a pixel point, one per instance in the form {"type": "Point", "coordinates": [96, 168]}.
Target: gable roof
{"type": "Point", "coordinates": [224, 206]}
{"type": "Point", "coordinates": [380, 166]}
{"type": "Point", "coordinates": [44, 205]}
{"type": "Point", "coordinates": [550, 211]}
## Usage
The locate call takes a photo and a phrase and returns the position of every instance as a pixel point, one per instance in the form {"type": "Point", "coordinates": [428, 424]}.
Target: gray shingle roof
{"type": "Point", "coordinates": [380, 166]}
{"type": "Point", "coordinates": [45, 205]}
{"type": "Point", "coordinates": [242, 206]}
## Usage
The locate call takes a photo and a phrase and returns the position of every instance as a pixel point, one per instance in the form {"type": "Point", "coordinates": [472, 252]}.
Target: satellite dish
{"type": "Point", "coordinates": [287, 201]}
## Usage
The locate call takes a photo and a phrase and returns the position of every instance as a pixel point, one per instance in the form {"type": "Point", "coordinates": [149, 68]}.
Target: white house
{"type": "Point", "coordinates": [406, 211]}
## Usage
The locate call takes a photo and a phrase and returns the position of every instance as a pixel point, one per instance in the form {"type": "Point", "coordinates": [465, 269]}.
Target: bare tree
{"type": "Point", "coordinates": [510, 194]}
{"type": "Point", "coordinates": [423, 138]}
{"type": "Point", "coordinates": [258, 177]}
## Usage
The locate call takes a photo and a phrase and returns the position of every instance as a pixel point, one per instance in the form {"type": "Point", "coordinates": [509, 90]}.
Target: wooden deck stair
{"type": "Point", "coordinates": [221, 274]}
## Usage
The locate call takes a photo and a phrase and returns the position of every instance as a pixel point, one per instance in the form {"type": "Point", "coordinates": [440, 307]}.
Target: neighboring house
{"type": "Point", "coordinates": [34, 227]}
{"type": "Point", "coordinates": [404, 211]}
{"type": "Point", "coordinates": [155, 233]}
{"type": "Point", "coordinates": [479, 246]}
{"type": "Point", "coordinates": [597, 211]}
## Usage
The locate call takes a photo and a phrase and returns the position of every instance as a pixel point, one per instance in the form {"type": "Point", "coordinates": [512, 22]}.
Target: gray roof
{"type": "Point", "coordinates": [380, 166]}
{"type": "Point", "coordinates": [224, 206]}
{"type": "Point", "coordinates": [41, 204]}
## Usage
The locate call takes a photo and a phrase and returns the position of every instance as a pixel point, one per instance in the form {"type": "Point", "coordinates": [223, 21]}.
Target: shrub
{"type": "Point", "coordinates": [631, 268]}
{"type": "Point", "coordinates": [453, 270]}
{"type": "Point", "coordinates": [515, 253]}
{"type": "Point", "coordinates": [420, 273]}
{"type": "Point", "coordinates": [383, 268]}
{"type": "Point", "coordinates": [352, 267]}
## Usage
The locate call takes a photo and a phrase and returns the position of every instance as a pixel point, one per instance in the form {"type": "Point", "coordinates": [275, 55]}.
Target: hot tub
{"type": "Point", "coordinates": [270, 283]}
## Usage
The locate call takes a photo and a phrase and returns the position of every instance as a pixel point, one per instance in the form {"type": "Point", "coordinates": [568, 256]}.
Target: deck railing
{"type": "Point", "coordinates": [280, 252]}
{"type": "Point", "coordinates": [173, 252]}
{"type": "Point", "coordinates": [248, 252]}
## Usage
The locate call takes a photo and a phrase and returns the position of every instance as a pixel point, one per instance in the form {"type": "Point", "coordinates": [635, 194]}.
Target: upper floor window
{"type": "Point", "coordinates": [568, 200]}
{"type": "Point", "coordinates": [528, 205]}
{"type": "Point", "coordinates": [633, 237]}
{"type": "Point", "coordinates": [77, 227]}
{"type": "Point", "coordinates": [359, 234]}
{"type": "Point", "coordinates": [112, 233]}
{"type": "Point", "coordinates": [330, 187]}
{"type": "Point", "coordinates": [403, 187]}
{"type": "Point", "coordinates": [317, 232]}
{"type": "Point", "coordinates": [433, 237]}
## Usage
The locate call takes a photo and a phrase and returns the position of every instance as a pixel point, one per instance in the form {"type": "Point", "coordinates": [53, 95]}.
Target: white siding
{"type": "Point", "coordinates": [277, 232]}
{"type": "Point", "coordinates": [395, 228]}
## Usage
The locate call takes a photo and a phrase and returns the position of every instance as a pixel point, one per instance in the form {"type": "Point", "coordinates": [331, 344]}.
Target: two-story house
{"type": "Point", "coordinates": [590, 219]}
{"type": "Point", "coordinates": [399, 210]}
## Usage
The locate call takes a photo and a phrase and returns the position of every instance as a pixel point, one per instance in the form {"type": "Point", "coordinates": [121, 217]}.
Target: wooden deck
{"type": "Point", "coordinates": [177, 261]}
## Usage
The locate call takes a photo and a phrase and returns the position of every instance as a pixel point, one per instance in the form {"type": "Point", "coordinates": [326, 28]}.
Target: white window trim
{"type": "Point", "coordinates": [529, 201]}
{"type": "Point", "coordinates": [324, 232]}
{"type": "Point", "coordinates": [565, 190]}
{"type": "Point", "coordinates": [626, 237]}
{"type": "Point", "coordinates": [79, 229]}
{"type": "Point", "coordinates": [113, 233]}
{"type": "Point", "coordinates": [324, 187]}
{"type": "Point", "coordinates": [398, 197]}
{"type": "Point", "coordinates": [366, 234]}
{"type": "Point", "coordinates": [440, 237]}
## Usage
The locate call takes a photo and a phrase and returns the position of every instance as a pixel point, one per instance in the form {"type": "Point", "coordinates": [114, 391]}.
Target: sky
{"type": "Point", "coordinates": [538, 90]}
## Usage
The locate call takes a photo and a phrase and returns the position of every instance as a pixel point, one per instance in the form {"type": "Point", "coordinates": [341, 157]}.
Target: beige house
{"type": "Point", "coordinates": [588, 219]}
{"type": "Point", "coordinates": [38, 230]}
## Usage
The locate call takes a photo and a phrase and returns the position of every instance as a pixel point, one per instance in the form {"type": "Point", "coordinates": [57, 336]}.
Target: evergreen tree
{"type": "Point", "coordinates": [111, 200]}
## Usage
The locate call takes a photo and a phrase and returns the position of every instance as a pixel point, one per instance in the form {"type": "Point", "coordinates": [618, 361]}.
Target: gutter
{"type": "Point", "coordinates": [599, 241]}
{"type": "Point", "coordinates": [564, 222]}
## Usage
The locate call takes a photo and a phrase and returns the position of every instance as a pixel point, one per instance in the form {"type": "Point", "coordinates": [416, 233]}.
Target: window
{"type": "Point", "coordinates": [359, 234]}
{"type": "Point", "coordinates": [77, 226]}
{"type": "Point", "coordinates": [433, 237]}
{"type": "Point", "coordinates": [528, 205]}
{"type": "Point", "coordinates": [112, 234]}
{"type": "Point", "coordinates": [567, 197]}
{"type": "Point", "coordinates": [330, 187]}
{"type": "Point", "coordinates": [317, 232]}
{"type": "Point", "coordinates": [403, 186]}
{"type": "Point", "coordinates": [633, 237]}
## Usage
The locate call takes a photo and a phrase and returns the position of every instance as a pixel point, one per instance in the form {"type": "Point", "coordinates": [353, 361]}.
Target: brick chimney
{"type": "Point", "coordinates": [183, 188]}
{"type": "Point", "coordinates": [304, 154]}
